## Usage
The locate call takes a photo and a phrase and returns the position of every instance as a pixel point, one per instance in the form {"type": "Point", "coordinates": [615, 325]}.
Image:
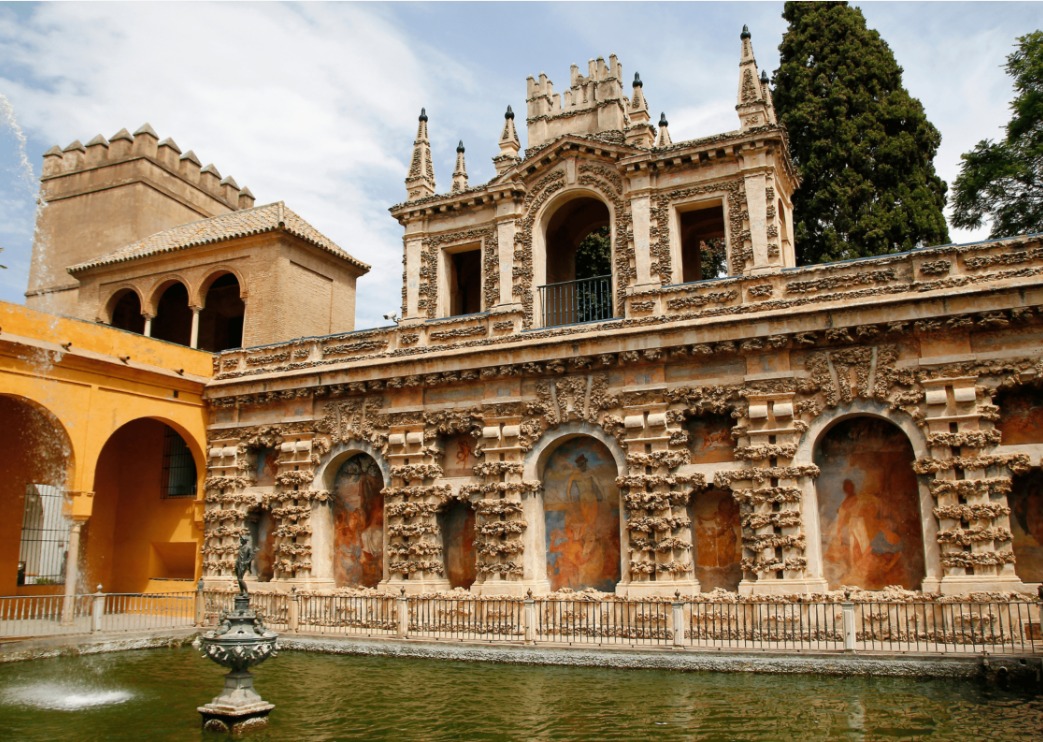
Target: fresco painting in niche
{"type": "Point", "coordinates": [1021, 416]}
{"type": "Point", "coordinates": [261, 527]}
{"type": "Point", "coordinates": [581, 511]}
{"type": "Point", "coordinates": [868, 503]}
{"type": "Point", "coordinates": [358, 523]}
{"type": "Point", "coordinates": [1026, 525]}
{"type": "Point", "coordinates": [459, 459]}
{"type": "Point", "coordinates": [265, 467]}
{"type": "Point", "coordinates": [457, 524]}
{"type": "Point", "coordinates": [716, 539]}
{"type": "Point", "coordinates": [710, 439]}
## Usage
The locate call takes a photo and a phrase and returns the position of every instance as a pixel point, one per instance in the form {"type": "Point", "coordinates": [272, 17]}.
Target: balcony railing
{"type": "Point", "coordinates": [570, 302]}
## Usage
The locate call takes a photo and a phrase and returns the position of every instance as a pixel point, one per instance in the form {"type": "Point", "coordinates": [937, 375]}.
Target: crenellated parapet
{"type": "Point", "coordinates": [594, 104]}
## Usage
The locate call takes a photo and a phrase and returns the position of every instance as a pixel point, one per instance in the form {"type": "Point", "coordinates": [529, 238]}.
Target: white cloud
{"type": "Point", "coordinates": [316, 104]}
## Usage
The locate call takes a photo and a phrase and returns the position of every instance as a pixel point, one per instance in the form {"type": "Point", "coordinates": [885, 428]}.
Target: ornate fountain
{"type": "Point", "coordinates": [239, 642]}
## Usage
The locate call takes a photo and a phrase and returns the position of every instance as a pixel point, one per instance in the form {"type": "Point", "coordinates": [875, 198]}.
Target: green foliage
{"type": "Point", "coordinates": [594, 255]}
{"type": "Point", "coordinates": [863, 145]}
{"type": "Point", "coordinates": [1003, 181]}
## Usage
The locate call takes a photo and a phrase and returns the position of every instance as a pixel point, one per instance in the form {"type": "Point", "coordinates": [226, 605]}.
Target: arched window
{"type": "Point", "coordinates": [173, 321]}
{"type": "Point", "coordinates": [577, 264]}
{"type": "Point", "coordinates": [126, 312]}
{"type": "Point", "coordinates": [221, 320]}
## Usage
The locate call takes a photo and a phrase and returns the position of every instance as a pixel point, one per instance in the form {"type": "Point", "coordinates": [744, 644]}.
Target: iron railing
{"type": "Point", "coordinates": [571, 302]}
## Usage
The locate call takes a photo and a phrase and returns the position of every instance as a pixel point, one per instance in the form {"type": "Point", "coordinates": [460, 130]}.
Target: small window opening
{"type": "Point", "coordinates": [465, 282]}
{"type": "Point", "coordinates": [179, 469]}
{"type": "Point", "coordinates": [704, 253]}
{"type": "Point", "coordinates": [126, 314]}
{"type": "Point", "coordinates": [45, 528]}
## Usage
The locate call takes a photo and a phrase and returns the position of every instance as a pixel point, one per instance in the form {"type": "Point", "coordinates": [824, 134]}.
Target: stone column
{"type": "Point", "coordinates": [147, 332]}
{"type": "Point", "coordinates": [194, 340]}
{"type": "Point", "coordinates": [72, 572]}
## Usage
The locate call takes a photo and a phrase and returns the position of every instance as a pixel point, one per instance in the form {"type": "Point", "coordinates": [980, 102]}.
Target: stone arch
{"type": "Point", "coordinates": [148, 477]}
{"type": "Point", "coordinates": [124, 308]}
{"type": "Point", "coordinates": [39, 454]}
{"type": "Point", "coordinates": [222, 311]}
{"type": "Point", "coordinates": [582, 208]}
{"type": "Point", "coordinates": [171, 310]}
{"type": "Point", "coordinates": [579, 528]}
{"type": "Point", "coordinates": [349, 535]}
{"type": "Point", "coordinates": [868, 504]}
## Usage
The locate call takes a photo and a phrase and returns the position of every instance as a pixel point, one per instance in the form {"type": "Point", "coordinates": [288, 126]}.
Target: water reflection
{"type": "Point", "coordinates": [322, 697]}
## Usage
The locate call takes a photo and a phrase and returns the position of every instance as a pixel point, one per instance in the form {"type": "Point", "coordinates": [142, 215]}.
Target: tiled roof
{"type": "Point", "coordinates": [244, 223]}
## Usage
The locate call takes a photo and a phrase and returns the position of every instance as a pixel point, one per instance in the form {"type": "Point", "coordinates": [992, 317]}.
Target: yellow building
{"type": "Point", "coordinates": [103, 439]}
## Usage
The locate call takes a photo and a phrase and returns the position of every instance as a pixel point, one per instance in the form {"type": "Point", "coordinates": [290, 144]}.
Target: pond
{"type": "Point", "coordinates": [153, 694]}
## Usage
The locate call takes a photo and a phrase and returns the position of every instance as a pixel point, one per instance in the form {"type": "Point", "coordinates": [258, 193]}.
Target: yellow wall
{"type": "Point", "coordinates": [109, 394]}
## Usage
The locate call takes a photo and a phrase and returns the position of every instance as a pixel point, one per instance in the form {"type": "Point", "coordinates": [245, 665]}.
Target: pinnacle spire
{"type": "Point", "coordinates": [663, 140]}
{"type": "Point", "coordinates": [639, 132]}
{"type": "Point", "coordinates": [754, 99]}
{"type": "Point", "coordinates": [460, 171]}
{"type": "Point", "coordinates": [420, 181]}
{"type": "Point", "coordinates": [510, 146]}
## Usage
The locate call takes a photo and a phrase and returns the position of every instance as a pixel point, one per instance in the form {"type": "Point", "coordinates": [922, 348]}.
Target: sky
{"type": "Point", "coordinates": [316, 104]}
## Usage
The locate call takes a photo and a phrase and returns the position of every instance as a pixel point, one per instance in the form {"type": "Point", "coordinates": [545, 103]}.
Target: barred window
{"type": "Point", "coordinates": [45, 531]}
{"type": "Point", "coordinates": [179, 469]}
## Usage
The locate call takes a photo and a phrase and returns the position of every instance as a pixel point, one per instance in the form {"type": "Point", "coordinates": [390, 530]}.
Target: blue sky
{"type": "Point", "coordinates": [316, 104]}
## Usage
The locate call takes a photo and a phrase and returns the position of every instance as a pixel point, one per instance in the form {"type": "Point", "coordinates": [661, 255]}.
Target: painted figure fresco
{"type": "Point", "coordinates": [265, 467]}
{"type": "Point", "coordinates": [458, 459]}
{"type": "Point", "coordinates": [710, 439]}
{"type": "Point", "coordinates": [581, 510]}
{"type": "Point", "coordinates": [869, 506]}
{"type": "Point", "coordinates": [261, 527]}
{"type": "Point", "coordinates": [457, 524]}
{"type": "Point", "coordinates": [1021, 416]}
{"type": "Point", "coordinates": [1026, 525]}
{"type": "Point", "coordinates": [358, 523]}
{"type": "Point", "coordinates": [716, 540]}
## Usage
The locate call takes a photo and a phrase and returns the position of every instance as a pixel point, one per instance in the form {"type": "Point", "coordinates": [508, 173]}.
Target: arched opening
{"type": "Point", "coordinates": [716, 539]}
{"type": "Point", "coordinates": [581, 516]}
{"type": "Point", "coordinates": [141, 535]}
{"type": "Point", "coordinates": [358, 523]}
{"type": "Point", "coordinates": [578, 264]}
{"type": "Point", "coordinates": [456, 522]}
{"type": "Point", "coordinates": [34, 463]}
{"type": "Point", "coordinates": [173, 320]}
{"type": "Point", "coordinates": [126, 312]}
{"type": "Point", "coordinates": [1021, 415]}
{"type": "Point", "coordinates": [868, 504]}
{"type": "Point", "coordinates": [1026, 525]}
{"type": "Point", "coordinates": [221, 319]}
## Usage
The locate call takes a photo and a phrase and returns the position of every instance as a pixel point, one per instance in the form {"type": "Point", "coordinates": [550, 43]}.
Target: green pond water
{"type": "Point", "coordinates": [153, 695]}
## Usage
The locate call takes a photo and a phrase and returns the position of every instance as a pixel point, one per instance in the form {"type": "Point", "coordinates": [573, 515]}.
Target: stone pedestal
{"type": "Point", "coordinates": [238, 709]}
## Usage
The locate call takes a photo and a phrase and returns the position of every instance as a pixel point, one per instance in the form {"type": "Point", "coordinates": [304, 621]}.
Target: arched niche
{"type": "Point", "coordinates": [357, 513]}
{"type": "Point", "coordinates": [868, 502]}
{"type": "Point", "coordinates": [573, 260]}
{"type": "Point", "coordinates": [716, 539]}
{"type": "Point", "coordinates": [1026, 524]}
{"type": "Point", "coordinates": [261, 527]}
{"type": "Point", "coordinates": [456, 522]}
{"type": "Point", "coordinates": [173, 320]}
{"type": "Point", "coordinates": [221, 319]}
{"type": "Point", "coordinates": [581, 517]}
{"type": "Point", "coordinates": [124, 311]}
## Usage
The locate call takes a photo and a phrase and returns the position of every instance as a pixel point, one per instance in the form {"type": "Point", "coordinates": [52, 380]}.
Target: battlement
{"type": "Point", "coordinates": [99, 156]}
{"type": "Point", "coordinates": [593, 104]}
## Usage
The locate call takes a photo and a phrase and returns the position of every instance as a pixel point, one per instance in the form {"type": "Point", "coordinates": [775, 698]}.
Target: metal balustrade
{"type": "Point", "coordinates": [571, 302]}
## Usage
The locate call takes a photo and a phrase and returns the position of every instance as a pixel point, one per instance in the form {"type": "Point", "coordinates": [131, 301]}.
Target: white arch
{"type": "Point", "coordinates": [805, 455]}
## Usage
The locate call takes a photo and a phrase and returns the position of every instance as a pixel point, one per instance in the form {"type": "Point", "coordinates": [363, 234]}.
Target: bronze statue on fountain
{"type": "Point", "coordinates": [239, 642]}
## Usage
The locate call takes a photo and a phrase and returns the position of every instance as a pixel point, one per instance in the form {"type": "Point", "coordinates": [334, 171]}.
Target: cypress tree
{"type": "Point", "coordinates": [863, 145]}
{"type": "Point", "coordinates": [1003, 181]}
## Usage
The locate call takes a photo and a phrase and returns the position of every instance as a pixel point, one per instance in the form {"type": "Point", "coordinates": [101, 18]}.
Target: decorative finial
{"type": "Point", "coordinates": [745, 32]}
{"type": "Point", "coordinates": [423, 114]}
{"type": "Point", "coordinates": [510, 114]}
{"type": "Point", "coordinates": [460, 147]}
{"type": "Point", "coordinates": [637, 81]}
{"type": "Point", "coordinates": [764, 76]}
{"type": "Point", "coordinates": [662, 120]}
